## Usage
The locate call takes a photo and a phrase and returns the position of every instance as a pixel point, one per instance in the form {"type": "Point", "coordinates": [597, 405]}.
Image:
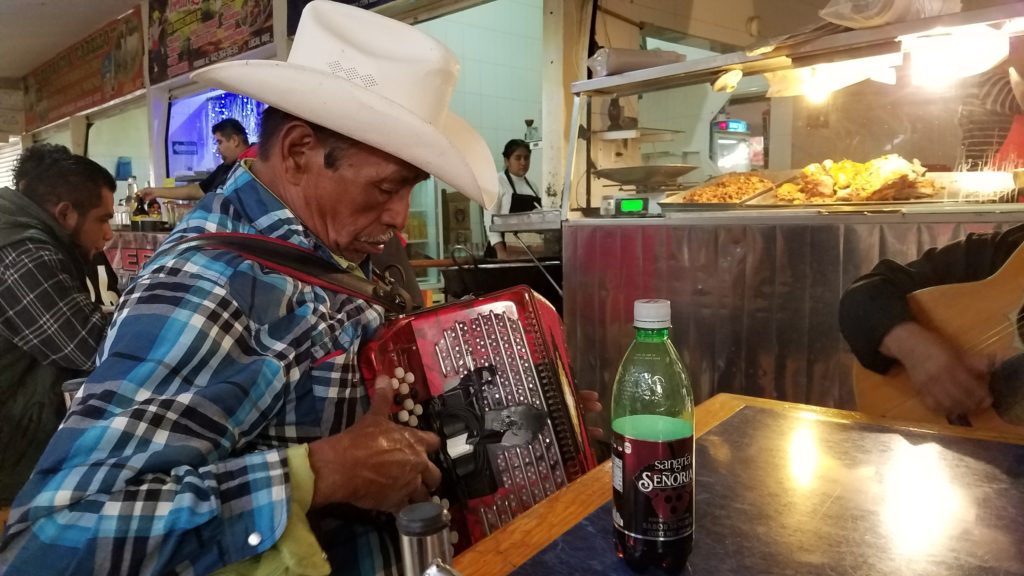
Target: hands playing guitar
{"type": "Point", "coordinates": [949, 381]}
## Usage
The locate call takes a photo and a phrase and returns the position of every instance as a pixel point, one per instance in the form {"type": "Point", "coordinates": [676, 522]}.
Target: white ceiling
{"type": "Point", "coordinates": [33, 31]}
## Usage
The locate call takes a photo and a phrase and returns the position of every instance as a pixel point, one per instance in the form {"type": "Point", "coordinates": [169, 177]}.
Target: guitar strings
{"type": "Point", "coordinates": [995, 334]}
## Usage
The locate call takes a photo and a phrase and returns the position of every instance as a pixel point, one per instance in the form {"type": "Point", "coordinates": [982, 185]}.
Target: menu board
{"type": "Point", "coordinates": [101, 67]}
{"type": "Point", "coordinates": [185, 35]}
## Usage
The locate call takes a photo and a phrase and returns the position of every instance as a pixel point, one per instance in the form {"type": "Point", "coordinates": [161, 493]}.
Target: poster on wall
{"type": "Point", "coordinates": [295, 9]}
{"type": "Point", "coordinates": [101, 67]}
{"type": "Point", "coordinates": [185, 35]}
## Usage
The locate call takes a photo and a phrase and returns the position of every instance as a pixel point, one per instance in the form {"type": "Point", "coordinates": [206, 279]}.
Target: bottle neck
{"type": "Point", "coordinates": [651, 334]}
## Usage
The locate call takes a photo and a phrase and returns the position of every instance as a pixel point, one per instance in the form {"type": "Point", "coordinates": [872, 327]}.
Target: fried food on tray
{"type": "Point", "coordinates": [727, 189]}
{"type": "Point", "coordinates": [885, 178]}
{"type": "Point", "coordinates": [816, 181]}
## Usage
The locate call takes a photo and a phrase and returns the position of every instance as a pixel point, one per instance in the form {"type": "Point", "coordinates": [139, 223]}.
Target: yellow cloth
{"type": "Point", "coordinates": [296, 553]}
{"type": "Point", "coordinates": [348, 265]}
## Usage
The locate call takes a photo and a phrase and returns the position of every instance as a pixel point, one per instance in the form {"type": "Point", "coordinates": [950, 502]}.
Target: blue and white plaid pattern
{"type": "Point", "coordinates": [172, 458]}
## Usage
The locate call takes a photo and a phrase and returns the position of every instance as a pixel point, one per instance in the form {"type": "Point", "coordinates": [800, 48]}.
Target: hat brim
{"type": "Point", "coordinates": [452, 152]}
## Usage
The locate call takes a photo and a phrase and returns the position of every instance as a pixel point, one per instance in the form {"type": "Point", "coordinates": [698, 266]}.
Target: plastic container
{"type": "Point", "coordinates": [610, 61]}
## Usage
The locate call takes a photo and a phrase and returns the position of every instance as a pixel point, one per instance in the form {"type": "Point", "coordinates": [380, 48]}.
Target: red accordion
{"type": "Point", "coordinates": [491, 377]}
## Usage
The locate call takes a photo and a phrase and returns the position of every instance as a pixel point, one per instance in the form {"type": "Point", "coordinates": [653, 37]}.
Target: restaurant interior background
{"type": "Point", "coordinates": [515, 68]}
{"type": "Point", "coordinates": [499, 43]}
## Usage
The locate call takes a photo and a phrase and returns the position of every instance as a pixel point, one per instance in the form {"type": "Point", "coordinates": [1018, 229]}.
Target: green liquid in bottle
{"type": "Point", "coordinates": [653, 428]}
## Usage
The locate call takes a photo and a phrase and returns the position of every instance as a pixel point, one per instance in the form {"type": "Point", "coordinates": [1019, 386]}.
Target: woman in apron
{"type": "Point", "coordinates": [515, 194]}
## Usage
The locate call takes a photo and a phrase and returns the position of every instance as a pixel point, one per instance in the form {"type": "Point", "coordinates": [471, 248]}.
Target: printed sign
{"type": "Point", "coordinates": [185, 35]}
{"type": "Point", "coordinates": [184, 148]}
{"type": "Point", "coordinates": [129, 251]}
{"type": "Point", "coordinates": [103, 66]}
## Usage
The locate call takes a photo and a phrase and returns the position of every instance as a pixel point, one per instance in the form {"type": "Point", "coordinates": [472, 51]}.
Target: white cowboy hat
{"type": "Point", "coordinates": [374, 79]}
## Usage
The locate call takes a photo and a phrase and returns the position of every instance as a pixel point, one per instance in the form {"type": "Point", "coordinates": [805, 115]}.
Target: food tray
{"type": "Point", "coordinates": [950, 187]}
{"type": "Point", "coordinates": [776, 177]}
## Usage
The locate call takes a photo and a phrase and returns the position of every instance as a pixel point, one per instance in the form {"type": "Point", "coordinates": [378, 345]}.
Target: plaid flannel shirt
{"type": "Point", "coordinates": [172, 458]}
{"type": "Point", "coordinates": [46, 310]}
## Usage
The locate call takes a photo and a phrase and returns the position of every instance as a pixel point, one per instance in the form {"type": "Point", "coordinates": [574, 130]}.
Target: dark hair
{"type": "Point", "coordinates": [512, 145]}
{"type": "Point", "coordinates": [49, 174]}
{"type": "Point", "coordinates": [273, 122]}
{"type": "Point", "coordinates": [229, 127]}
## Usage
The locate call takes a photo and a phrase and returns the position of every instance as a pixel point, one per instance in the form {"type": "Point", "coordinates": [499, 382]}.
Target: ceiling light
{"type": "Point", "coordinates": [944, 55]}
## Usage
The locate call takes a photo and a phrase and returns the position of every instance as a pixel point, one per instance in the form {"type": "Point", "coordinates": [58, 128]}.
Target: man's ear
{"type": "Point", "coordinates": [299, 149]}
{"type": "Point", "coordinates": [65, 215]}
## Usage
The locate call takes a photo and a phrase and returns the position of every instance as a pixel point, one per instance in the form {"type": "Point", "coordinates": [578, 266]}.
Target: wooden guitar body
{"type": "Point", "coordinates": [979, 316]}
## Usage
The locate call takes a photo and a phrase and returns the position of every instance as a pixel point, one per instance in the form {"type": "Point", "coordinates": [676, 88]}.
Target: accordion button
{"type": "Point", "coordinates": [255, 538]}
{"type": "Point", "coordinates": [399, 372]}
{"type": "Point", "coordinates": [409, 405]}
{"type": "Point", "coordinates": [394, 384]}
{"type": "Point", "coordinates": [409, 378]}
{"type": "Point", "coordinates": [435, 499]}
{"type": "Point", "coordinates": [453, 537]}
{"type": "Point", "coordinates": [403, 388]}
{"type": "Point", "coordinates": [444, 503]}
{"type": "Point", "coordinates": [403, 416]}
{"type": "Point", "coordinates": [413, 421]}
{"type": "Point", "coordinates": [417, 409]}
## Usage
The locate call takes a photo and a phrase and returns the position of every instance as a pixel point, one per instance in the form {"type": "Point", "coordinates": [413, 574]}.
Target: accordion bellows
{"type": "Point", "coordinates": [491, 377]}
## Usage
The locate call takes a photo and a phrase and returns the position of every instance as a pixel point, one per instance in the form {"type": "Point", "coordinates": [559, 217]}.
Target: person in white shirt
{"type": "Point", "coordinates": [515, 194]}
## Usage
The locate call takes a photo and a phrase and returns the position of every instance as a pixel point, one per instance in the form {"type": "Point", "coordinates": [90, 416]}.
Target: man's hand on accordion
{"type": "Point", "coordinates": [375, 464]}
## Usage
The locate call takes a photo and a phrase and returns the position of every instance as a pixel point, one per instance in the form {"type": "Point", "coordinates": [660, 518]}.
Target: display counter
{"type": "Point", "coordinates": [755, 295]}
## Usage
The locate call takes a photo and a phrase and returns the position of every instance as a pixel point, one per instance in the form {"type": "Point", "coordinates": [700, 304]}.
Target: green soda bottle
{"type": "Point", "coordinates": [652, 448]}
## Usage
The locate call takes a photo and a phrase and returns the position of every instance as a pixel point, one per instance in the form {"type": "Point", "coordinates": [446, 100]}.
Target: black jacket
{"type": "Point", "coordinates": [877, 301]}
{"type": "Point", "coordinates": [49, 332]}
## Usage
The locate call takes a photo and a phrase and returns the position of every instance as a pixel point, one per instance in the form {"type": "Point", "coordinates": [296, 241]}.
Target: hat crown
{"type": "Point", "coordinates": [376, 80]}
{"type": "Point", "coordinates": [382, 55]}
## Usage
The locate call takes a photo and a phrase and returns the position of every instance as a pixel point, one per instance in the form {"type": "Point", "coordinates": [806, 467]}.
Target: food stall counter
{"type": "Point", "coordinates": [755, 293]}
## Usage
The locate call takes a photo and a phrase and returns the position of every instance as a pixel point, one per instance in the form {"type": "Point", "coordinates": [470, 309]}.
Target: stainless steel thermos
{"type": "Point", "coordinates": [423, 531]}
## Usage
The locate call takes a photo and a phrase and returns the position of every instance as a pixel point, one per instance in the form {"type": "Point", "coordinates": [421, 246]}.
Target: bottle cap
{"type": "Point", "coordinates": [652, 314]}
{"type": "Point", "coordinates": [422, 519]}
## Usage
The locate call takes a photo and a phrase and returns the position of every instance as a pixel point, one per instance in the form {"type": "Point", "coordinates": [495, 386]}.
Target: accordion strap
{"type": "Point", "coordinates": [305, 265]}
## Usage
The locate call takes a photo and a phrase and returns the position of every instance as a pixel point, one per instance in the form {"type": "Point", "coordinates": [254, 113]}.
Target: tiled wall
{"type": "Point", "coordinates": [499, 46]}
{"type": "Point", "coordinates": [124, 134]}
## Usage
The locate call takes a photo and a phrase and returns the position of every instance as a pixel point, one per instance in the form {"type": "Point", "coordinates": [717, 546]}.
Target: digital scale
{"type": "Point", "coordinates": [640, 188]}
{"type": "Point", "coordinates": [640, 205]}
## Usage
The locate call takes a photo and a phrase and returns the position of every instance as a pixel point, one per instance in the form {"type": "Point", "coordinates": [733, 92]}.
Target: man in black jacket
{"type": "Point", "coordinates": [54, 221]}
{"type": "Point", "coordinates": [877, 323]}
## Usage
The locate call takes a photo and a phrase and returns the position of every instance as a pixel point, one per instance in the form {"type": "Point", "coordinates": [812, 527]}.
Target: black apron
{"type": "Point", "coordinates": [520, 203]}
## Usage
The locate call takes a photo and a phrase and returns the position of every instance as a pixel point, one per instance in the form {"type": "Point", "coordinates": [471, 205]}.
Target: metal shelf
{"type": "Point", "coordinates": [528, 227]}
{"type": "Point", "coordinates": [536, 221]}
{"type": "Point", "coordinates": [638, 134]}
{"type": "Point", "coordinates": [832, 48]}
